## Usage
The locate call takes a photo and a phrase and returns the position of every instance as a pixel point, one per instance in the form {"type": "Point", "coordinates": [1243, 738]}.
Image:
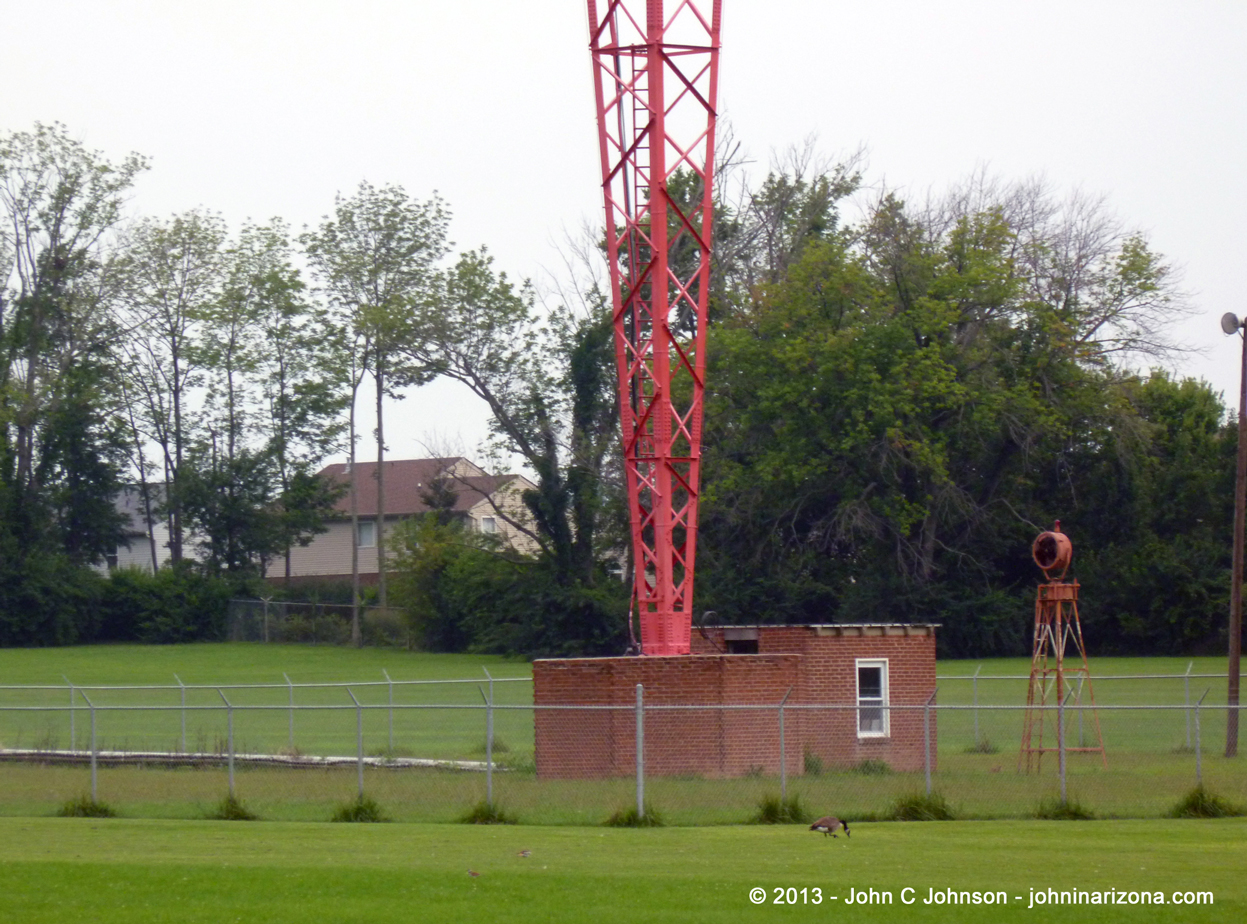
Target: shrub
{"type": "Point", "coordinates": [774, 810]}
{"type": "Point", "coordinates": [1200, 803]}
{"type": "Point", "coordinates": [983, 746]}
{"type": "Point", "coordinates": [813, 764]}
{"type": "Point", "coordinates": [176, 604]}
{"type": "Point", "coordinates": [85, 807]}
{"type": "Point", "coordinates": [363, 809]}
{"type": "Point", "coordinates": [921, 807]}
{"type": "Point", "coordinates": [872, 767]}
{"type": "Point", "coordinates": [629, 818]}
{"type": "Point", "coordinates": [231, 809]}
{"type": "Point", "coordinates": [487, 813]}
{"type": "Point", "coordinates": [1053, 808]}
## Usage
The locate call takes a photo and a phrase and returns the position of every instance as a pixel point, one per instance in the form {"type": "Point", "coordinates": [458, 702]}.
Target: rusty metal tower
{"type": "Point", "coordinates": [1054, 699]}
{"type": "Point", "coordinates": [655, 72]}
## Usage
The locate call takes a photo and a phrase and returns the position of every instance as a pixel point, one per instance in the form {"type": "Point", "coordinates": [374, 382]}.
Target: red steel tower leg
{"type": "Point", "coordinates": [655, 71]}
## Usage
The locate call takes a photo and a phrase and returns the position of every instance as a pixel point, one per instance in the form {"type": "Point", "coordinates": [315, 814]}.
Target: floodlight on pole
{"type": "Point", "coordinates": [1231, 324]}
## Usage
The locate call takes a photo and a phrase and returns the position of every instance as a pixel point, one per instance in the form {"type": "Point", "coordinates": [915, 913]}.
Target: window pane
{"type": "Point", "coordinates": [870, 720]}
{"type": "Point", "coordinates": [870, 682]}
{"type": "Point", "coordinates": [367, 534]}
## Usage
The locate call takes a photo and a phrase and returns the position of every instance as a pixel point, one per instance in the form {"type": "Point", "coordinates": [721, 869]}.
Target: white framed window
{"type": "Point", "coordinates": [367, 534]}
{"type": "Point", "coordinates": [489, 525]}
{"type": "Point", "coordinates": [872, 698]}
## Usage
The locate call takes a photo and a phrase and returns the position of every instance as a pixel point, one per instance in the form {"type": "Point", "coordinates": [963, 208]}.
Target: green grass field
{"type": "Point", "coordinates": [1150, 766]}
{"type": "Point", "coordinates": [134, 871]}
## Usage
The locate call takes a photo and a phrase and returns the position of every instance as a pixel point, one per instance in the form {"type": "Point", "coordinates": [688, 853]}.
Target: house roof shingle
{"type": "Point", "coordinates": [408, 480]}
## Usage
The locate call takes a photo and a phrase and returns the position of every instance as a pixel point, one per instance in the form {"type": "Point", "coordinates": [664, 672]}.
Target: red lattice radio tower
{"type": "Point", "coordinates": [655, 71]}
{"type": "Point", "coordinates": [1055, 695]}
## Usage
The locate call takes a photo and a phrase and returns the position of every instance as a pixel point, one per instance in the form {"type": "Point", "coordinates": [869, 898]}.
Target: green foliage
{"type": "Point", "coordinates": [630, 818]}
{"type": "Point", "coordinates": [231, 809]}
{"type": "Point", "coordinates": [487, 813]}
{"type": "Point", "coordinates": [889, 416]}
{"type": "Point", "coordinates": [872, 767]}
{"type": "Point", "coordinates": [363, 809]}
{"type": "Point", "coordinates": [1200, 803]}
{"type": "Point", "coordinates": [982, 746]}
{"type": "Point", "coordinates": [773, 810]}
{"type": "Point", "coordinates": [44, 598]}
{"type": "Point", "coordinates": [813, 764]}
{"type": "Point", "coordinates": [921, 807]}
{"type": "Point", "coordinates": [1053, 808]}
{"type": "Point", "coordinates": [462, 593]}
{"type": "Point", "coordinates": [85, 807]}
{"type": "Point", "coordinates": [176, 604]}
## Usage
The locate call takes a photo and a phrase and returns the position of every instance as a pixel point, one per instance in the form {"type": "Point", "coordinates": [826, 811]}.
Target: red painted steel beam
{"type": "Point", "coordinates": [655, 73]}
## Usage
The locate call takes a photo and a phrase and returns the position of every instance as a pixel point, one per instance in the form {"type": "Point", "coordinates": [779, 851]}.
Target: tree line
{"type": "Point", "coordinates": [895, 405]}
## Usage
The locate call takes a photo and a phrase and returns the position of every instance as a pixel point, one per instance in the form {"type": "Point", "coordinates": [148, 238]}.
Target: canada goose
{"type": "Point", "coordinates": [829, 824]}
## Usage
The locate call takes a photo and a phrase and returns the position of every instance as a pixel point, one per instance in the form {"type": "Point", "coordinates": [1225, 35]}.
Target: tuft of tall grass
{"type": "Point", "coordinates": [983, 746]}
{"type": "Point", "coordinates": [363, 809]}
{"type": "Point", "coordinates": [630, 818]}
{"type": "Point", "coordinates": [813, 764]}
{"type": "Point", "coordinates": [231, 808]}
{"type": "Point", "coordinates": [487, 813]}
{"type": "Point", "coordinates": [774, 810]}
{"type": "Point", "coordinates": [919, 806]}
{"type": "Point", "coordinates": [872, 767]}
{"type": "Point", "coordinates": [85, 807]}
{"type": "Point", "coordinates": [1052, 808]}
{"type": "Point", "coordinates": [1200, 803]}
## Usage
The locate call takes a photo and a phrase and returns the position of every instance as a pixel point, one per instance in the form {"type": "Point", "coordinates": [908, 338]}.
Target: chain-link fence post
{"type": "Point", "coordinates": [290, 687]}
{"type": "Point", "coordinates": [977, 739]}
{"type": "Point", "coordinates": [1199, 769]}
{"type": "Point", "coordinates": [391, 683]}
{"type": "Point", "coordinates": [182, 687]}
{"type": "Point", "coordinates": [1186, 684]}
{"type": "Point", "coordinates": [1060, 739]}
{"type": "Point", "coordinates": [783, 753]}
{"type": "Point", "coordinates": [359, 740]}
{"type": "Point", "coordinates": [489, 739]}
{"type": "Point", "coordinates": [229, 734]}
{"type": "Point", "coordinates": [94, 750]}
{"type": "Point", "coordinates": [73, 701]}
{"type": "Point", "coordinates": [926, 739]}
{"type": "Point", "coordinates": [489, 746]}
{"type": "Point", "coordinates": [640, 751]}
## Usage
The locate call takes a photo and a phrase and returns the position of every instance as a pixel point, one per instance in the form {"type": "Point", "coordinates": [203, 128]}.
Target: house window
{"type": "Point", "coordinates": [872, 698]}
{"type": "Point", "coordinates": [489, 524]}
{"type": "Point", "coordinates": [367, 534]}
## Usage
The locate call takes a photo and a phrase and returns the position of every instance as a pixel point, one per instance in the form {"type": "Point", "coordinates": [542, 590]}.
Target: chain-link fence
{"type": "Point", "coordinates": [283, 621]}
{"type": "Point", "coordinates": [431, 750]}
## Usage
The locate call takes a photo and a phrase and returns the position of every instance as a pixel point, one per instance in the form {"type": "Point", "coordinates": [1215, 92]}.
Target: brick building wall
{"type": "Point", "coordinates": [815, 666]}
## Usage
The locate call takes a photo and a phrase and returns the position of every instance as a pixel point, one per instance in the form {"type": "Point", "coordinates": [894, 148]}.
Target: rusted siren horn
{"type": "Point", "coordinates": [1053, 552]}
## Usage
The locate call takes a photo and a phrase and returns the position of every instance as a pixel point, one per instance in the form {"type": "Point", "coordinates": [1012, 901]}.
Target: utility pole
{"type": "Point", "coordinates": [1231, 324]}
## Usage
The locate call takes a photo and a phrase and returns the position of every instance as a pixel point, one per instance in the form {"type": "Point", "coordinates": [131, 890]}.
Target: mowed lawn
{"type": "Point", "coordinates": [137, 871]}
{"type": "Point", "coordinates": [1150, 766]}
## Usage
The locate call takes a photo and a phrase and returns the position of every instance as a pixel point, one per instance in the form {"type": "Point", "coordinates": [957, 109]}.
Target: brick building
{"type": "Point", "coordinates": [843, 683]}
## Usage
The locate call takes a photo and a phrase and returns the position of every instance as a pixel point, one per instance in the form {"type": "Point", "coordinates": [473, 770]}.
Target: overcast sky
{"type": "Point", "coordinates": [257, 108]}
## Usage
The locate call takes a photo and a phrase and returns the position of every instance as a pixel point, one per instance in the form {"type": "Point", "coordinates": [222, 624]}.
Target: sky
{"type": "Point", "coordinates": [262, 108]}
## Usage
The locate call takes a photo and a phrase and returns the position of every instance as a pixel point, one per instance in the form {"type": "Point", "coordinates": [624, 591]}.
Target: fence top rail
{"type": "Point", "coordinates": [328, 684]}
{"type": "Point", "coordinates": [1096, 677]}
{"type": "Point", "coordinates": [622, 707]}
